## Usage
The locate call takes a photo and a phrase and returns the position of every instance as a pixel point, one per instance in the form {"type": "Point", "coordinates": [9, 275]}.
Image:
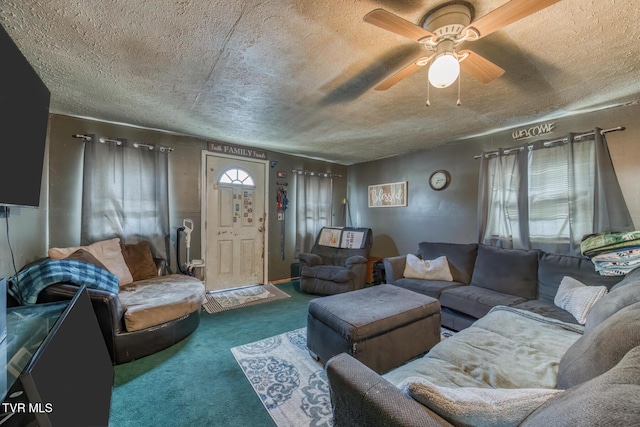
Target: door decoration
{"type": "Point", "coordinates": [247, 207]}
{"type": "Point", "coordinates": [281, 203]}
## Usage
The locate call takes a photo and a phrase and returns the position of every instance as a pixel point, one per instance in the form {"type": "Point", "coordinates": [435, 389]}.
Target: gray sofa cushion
{"type": "Point", "coordinates": [475, 301]}
{"type": "Point", "coordinates": [600, 349]}
{"type": "Point", "coordinates": [511, 271]}
{"type": "Point", "coordinates": [332, 273]}
{"type": "Point", "coordinates": [461, 257]}
{"type": "Point", "coordinates": [621, 295]}
{"type": "Point", "coordinates": [547, 309]}
{"type": "Point", "coordinates": [432, 288]}
{"type": "Point", "coordinates": [552, 268]}
{"type": "Point", "coordinates": [632, 277]}
{"type": "Point", "coordinates": [608, 400]}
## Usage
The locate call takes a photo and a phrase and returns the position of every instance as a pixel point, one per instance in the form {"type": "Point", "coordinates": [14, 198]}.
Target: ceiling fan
{"type": "Point", "coordinates": [444, 29]}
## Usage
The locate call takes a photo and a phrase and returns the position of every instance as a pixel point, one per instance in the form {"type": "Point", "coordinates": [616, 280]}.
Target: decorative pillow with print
{"type": "Point", "coordinates": [436, 269]}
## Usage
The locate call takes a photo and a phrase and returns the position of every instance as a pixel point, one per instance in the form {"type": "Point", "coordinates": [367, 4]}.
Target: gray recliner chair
{"type": "Point", "coordinates": [337, 262]}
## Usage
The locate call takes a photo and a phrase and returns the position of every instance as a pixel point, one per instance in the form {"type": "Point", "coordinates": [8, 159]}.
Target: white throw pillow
{"type": "Point", "coordinates": [437, 269]}
{"type": "Point", "coordinates": [476, 406]}
{"type": "Point", "coordinates": [578, 298]}
{"type": "Point", "coordinates": [108, 252]}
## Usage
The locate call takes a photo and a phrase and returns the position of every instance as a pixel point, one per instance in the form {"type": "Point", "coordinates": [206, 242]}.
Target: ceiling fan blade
{"type": "Point", "coordinates": [479, 67]}
{"type": "Point", "coordinates": [390, 22]}
{"type": "Point", "coordinates": [405, 72]}
{"type": "Point", "coordinates": [506, 14]}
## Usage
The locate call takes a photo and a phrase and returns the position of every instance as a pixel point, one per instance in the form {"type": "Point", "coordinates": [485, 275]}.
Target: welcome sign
{"type": "Point", "coordinates": [533, 131]}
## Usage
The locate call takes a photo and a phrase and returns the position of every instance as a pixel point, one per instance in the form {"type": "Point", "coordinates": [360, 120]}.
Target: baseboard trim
{"type": "Point", "coordinates": [277, 282]}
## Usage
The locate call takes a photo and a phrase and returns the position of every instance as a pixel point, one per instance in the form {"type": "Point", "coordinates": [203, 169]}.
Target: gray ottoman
{"type": "Point", "coordinates": [381, 326]}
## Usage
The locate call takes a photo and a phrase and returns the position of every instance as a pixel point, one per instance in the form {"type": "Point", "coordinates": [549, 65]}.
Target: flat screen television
{"type": "Point", "coordinates": [24, 115]}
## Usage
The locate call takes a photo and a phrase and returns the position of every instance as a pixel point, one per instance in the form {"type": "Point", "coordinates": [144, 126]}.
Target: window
{"type": "Point", "coordinates": [236, 176]}
{"type": "Point", "coordinates": [561, 192]}
{"type": "Point", "coordinates": [125, 194]}
{"type": "Point", "coordinates": [548, 195]}
{"type": "Point", "coordinates": [314, 194]}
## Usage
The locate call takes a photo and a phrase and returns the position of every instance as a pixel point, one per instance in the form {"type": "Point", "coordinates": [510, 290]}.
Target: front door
{"type": "Point", "coordinates": [235, 222]}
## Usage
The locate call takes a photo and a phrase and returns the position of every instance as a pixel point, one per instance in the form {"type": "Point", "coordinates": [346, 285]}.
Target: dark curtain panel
{"type": "Point", "coordinates": [313, 209]}
{"type": "Point", "coordinates": [125, 194]}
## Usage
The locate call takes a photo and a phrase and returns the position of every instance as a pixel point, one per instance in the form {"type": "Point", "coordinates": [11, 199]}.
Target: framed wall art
{"type": "Point", "coordinates": [388, 195]}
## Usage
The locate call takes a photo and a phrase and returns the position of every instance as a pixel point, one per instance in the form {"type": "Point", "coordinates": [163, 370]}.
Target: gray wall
{"type": "Point", "coordinates": [185, 182]}
{"type": "Point", "coordinates": [450, 215]}
{"type": "Point", "coordinates": [279, 268]}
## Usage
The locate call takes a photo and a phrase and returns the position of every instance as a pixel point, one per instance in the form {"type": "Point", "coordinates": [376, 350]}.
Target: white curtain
{"type": "Point", "coordinates": [125, 194]}
{"type": "Point", "coordinates": [503, 202]}
{"type": "Point", "coordinates": [548, 195]}
{"type": "Point", "coordinates": [313, 208]}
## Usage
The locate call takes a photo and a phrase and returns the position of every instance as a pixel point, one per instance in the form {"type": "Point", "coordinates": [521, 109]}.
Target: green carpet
{"type": "Point", "coordinates": [197, 382]}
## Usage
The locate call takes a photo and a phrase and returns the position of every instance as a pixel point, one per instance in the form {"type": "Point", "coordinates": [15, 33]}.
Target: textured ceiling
{"type": "Point", "coordinates": [297, 76]}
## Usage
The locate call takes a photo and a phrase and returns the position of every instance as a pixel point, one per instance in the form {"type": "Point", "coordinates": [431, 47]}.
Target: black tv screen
{"type": "Point", "coordinates": [69, 379]}
{"type": "Point", "coordinates": [24, 114]}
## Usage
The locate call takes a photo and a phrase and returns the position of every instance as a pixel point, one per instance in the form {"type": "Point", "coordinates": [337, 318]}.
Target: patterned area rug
{"type": "Point", "coordinates": [292, 386]}
{"type": "Point", "coordinates": [218, 301]}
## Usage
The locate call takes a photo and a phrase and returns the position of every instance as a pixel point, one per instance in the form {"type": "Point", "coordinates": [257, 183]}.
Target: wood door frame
{"type": "Point", "coordinates": [203, 207]}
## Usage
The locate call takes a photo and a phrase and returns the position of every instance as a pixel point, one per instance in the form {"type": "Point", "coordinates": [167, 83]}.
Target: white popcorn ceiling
{"type": "Point", "coordinates": [297, 76]}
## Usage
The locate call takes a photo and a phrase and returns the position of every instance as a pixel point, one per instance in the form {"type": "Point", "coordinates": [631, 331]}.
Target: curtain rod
{"type": "Point", "coordinates": [320, 174]}
{"type": "Point", "coordinates": [548, 143]}
{"type": "Point", "coordinates": [88, 138]}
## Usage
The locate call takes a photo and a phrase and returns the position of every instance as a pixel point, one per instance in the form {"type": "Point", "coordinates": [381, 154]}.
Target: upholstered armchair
{"type": "Point", "coordinates": [337, 262]}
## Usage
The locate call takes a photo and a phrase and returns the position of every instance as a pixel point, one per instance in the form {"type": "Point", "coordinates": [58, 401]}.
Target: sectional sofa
{"type": "Point", "coordinates": [486, 276]}
{"type": "Point", "coordinates": [518, 359]}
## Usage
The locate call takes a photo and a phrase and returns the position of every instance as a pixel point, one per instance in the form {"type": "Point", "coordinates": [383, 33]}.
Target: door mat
{"type": "Point", "coordinates": [219, 301]}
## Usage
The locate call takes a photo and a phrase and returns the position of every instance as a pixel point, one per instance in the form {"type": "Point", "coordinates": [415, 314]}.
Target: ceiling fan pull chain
{"type": "Point", "coordinates": [428, 103]}
{"type": "Point", "coordinates": [458, 103]}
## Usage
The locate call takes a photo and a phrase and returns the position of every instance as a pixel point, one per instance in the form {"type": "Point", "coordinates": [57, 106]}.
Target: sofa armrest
{"type": "Point", "coordinates": [161, 266]}
{"type": "Point", "coordinates": [106, 306]}
{"type": "Point", "coordinates": [355, 260]}
{"type": "Point", "coordinates": [394, 267]}
{"type": "Point", "coordinates": [309, 260]}
{"type": "Point", "coordinates": [361, 397]}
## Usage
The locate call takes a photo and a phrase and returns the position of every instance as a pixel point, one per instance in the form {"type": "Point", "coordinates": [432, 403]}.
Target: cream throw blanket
{"type": "Point", "coordinates": [508, 348]}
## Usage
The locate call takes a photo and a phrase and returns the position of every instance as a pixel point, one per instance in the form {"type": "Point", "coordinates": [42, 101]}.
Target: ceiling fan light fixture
{"type": "Point", "coordinates": [444, 70]}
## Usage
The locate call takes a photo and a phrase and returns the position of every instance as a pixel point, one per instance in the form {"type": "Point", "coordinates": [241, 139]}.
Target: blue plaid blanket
{"type": "Point", "coordinates": [27, 284]}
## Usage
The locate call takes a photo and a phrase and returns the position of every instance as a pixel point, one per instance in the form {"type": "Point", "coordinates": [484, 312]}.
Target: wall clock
{"type": "Point", "coordinates": [439, 180]}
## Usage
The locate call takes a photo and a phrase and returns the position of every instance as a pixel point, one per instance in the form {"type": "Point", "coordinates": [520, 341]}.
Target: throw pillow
{"type": "Point", "coordinates": [108, 252]}
{"type": "Point", "coordinates": [437, 269]}
{"type": "Point", "coordinates": [460, 256]}
{"type": "Point", "coordinates": [509, 271]}
{"type": "Point", "coordinates": [578, 298]}
{"type": "Point", "coordinates": [478, 406]}
{"type": "Point", "coordinates": [85, 256]}
{"type": "Point", "coordinates": [139, 259]}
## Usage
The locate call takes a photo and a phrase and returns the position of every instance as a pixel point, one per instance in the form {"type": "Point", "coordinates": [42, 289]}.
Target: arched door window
{"type": "Point", "coordinates": [236, 176]}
